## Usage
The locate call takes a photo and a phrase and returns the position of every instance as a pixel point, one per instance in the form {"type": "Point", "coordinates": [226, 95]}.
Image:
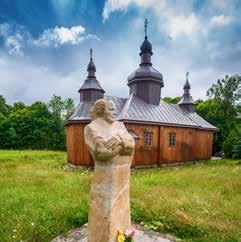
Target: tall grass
{"type": "Point", "coordinates": [40, 200]}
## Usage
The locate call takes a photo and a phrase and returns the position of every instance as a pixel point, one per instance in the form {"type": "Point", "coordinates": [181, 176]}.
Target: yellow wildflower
{"type": "Point", "coordinates": [121, 238]}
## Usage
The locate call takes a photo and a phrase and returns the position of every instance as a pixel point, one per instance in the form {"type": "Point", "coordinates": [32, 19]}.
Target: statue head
{"type": "Point", "coordinates": [105, 109]}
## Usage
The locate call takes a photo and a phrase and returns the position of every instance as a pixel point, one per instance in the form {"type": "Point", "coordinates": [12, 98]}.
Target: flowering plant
{"type": "Point", "coordinates": [128, 236]}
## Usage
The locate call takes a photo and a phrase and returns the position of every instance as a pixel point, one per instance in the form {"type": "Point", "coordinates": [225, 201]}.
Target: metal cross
{"type": "Point", "coordinates": [187, 75]}
{"type": "Point", "coordinates": [91, 53]}
{"type": "Point", "coordinates": [146, 25]}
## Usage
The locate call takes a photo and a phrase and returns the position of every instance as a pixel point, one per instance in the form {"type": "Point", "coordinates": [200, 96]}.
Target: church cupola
{"type": "Point", "coordinates": [187, 102]}
{"type": "Point", "coordinates": [146, 82]}
{"type": "Point", "coordinates": [91, 90]}
{"type": "Point", "coordinates": [146, 49]}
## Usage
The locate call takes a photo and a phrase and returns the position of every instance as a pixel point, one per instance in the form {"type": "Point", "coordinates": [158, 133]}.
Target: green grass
{"type": "Point", "coordinates": [40, 200]}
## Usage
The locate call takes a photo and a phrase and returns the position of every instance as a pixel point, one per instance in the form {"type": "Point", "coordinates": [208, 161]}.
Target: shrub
{"type": "Point", "coordinates": [228, 145]}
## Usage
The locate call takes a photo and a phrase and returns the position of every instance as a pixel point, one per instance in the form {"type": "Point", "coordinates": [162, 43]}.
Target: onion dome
{"type": "Point", "coordinates": [91, 68]}
{"type": "Point", "coordinates": [187, 101]}
{"type": "Point", "coordinates": [91, 89]}
{"type": "Point", "coordinates": [146, 47]}
{"type": "Point", "coordinates": [146, 82]}
{"type": "Point", "coordinates": [187, 85]}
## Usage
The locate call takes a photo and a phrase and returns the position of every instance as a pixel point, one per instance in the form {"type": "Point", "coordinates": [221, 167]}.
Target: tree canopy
{"type": "Point", "coordinates": [38, 126]}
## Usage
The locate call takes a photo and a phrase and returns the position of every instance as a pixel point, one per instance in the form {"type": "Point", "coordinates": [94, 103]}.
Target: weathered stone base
{"type": "Point", "coordinates": [142, 235]}
{"type": "Point", "coordinates": [70, 166]}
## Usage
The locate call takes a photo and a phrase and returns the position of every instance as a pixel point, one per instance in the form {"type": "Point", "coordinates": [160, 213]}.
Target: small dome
{"type": "Point", "coordinates": [146, 47]}
{"type": "Point", "coordinates": [91, 66]}
{"type": "Point", "coordinates": [187, 85]}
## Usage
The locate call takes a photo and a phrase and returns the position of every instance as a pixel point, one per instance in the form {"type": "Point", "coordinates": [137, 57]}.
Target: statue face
{"type": "Point", "coordinates": [110, 112]}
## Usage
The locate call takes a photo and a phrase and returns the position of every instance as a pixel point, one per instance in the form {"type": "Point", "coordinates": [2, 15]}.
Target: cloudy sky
{"type": "Point", "coordinates": [44, 45]}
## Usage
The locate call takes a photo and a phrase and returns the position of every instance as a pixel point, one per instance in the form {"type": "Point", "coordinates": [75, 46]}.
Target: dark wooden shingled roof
{"type": "Point", "coordinates": [134, 110]}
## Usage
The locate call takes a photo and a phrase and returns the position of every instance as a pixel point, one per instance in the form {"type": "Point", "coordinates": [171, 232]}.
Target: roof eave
{"type": "Point", "coordinates": [168, 124]}
{"type": "Point", "coordinates": [76, 121]}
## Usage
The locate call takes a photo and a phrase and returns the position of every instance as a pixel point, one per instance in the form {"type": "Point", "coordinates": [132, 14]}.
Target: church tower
{"type": "Point", "coordinates": [91, 90]}
{"type": "Point", "coordinates": [146, 82]}
{"type": "Point", "coordinates": [187, 102]}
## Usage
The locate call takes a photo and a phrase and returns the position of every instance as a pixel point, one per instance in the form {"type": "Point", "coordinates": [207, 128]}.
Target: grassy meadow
{"type": "Point", "coordinates": [40, 200]}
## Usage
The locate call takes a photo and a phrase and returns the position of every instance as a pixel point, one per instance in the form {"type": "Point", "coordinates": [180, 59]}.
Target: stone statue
{"type": "Point", "coordinates": [111, 147]}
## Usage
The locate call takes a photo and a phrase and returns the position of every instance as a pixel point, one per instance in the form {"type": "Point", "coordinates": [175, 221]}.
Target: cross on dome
{"type": "Point", "coordinates": [187, 75]}
{"type": "Point", "coordinates": [145, 26]}
{"type": "Point", "coordinates": [91, 53]}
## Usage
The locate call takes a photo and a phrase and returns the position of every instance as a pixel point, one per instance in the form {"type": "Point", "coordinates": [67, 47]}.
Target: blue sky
{"type": "Point", "coordinates": [44, 45]}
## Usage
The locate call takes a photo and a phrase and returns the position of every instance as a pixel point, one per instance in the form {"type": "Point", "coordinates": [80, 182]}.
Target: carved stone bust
{"type": "Point", "coordinates": [111, 147]}
{"type": "Point", "coordinates": [105, 136]}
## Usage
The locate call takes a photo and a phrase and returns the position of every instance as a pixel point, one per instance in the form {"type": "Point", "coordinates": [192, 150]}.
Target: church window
{"type": "Point", "coordinates": [148, 136]}
{"type": "Point", "coordinates": [172, 139]}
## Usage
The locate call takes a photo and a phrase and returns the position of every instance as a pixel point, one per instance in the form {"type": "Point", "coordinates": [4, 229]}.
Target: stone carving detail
{"type": "Point", "coordinates": [111, 147]}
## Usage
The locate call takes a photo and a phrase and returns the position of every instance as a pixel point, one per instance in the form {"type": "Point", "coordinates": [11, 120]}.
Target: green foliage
{"type": "Point", "coordinates": [56, 106]}
{"type": "Point", "coordinates": [229, 142]}
{"type": "Point", "coordinates": [221, 110]}
{"type": "Point", "coordinates": [237, 145]}
{"type": "Point", "coordinates": [226, 89]}
{"type": "Point", "coordinates": [38, 126]}
{"type": "Point", "coordinates": [60, 110]}
{"type": "Point", "coordinates": [69, 107]}
{"type": "Point", "coordinates": [211, 110]}
{"type": "Point", "coordinates": [4, 108]}
{"type": "Point", "coordinates": [173, 100]}
{"type": "Point", "coordinates": [40, 200]}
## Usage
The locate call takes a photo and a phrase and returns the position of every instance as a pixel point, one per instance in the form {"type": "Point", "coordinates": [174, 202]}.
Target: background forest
{"type": "Point", "coordinates": [41, 125]}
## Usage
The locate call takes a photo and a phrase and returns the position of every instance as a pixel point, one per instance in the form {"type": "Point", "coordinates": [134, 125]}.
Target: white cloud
{"type": "Point", "coordinates": [121, 5]}
{"type": "Point", "coordinates": [182, 25]}
{"type": "Point", "coordinates": [174, 21]}
{"type": "Point", "coordinates": [14, 43]}
{"type": "Point", "coordinates": [61, 36]}
{"type": "Point", "coordinates": [16, 38]}
{"type": "Point", "coordinates": [220, 20]}
{"type": "Point", "coordinates": [13, 40]}
{"type": "Point", "coordinates": [26, 81]}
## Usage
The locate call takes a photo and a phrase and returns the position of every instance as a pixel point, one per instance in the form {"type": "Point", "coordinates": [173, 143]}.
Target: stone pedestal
{"type": "Point", "coordinates": [141, 235]}
{"type": "Point", "coordinates": [111, 147]}
{"type": "Point", "coordinates": [109, 204]}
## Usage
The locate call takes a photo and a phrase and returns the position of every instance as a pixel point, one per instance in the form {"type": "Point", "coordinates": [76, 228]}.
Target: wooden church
{"type": "Point", "coordinates": [164, 133]}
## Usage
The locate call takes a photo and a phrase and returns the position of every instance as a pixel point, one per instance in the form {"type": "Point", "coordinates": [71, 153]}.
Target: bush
{"type": "Point", "coordinates": [228, 145]}
{"type": "Point", "coordinates": [237, 145]}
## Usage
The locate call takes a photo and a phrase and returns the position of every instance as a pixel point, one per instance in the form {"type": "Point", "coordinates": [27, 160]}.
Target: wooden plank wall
{"type": "Point", "coordinates": [191, 144]}
{"type": "Point", "coordinates": [76, 148]}
{"type": "Point", "coordinates": [143, 155]}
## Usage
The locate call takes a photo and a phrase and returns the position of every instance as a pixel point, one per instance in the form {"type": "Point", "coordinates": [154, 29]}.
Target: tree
{"type": "Point", "coordinates": [4, 107]}
{"type": "Point", "coordinates": [237, 145]}
{"type": "Point", "coordinates": [41, 124]}
{"type": "Point", "coordinates": [226, 89]}
{"type": "Point", "coordinates": [18, 106]}
{"type": "Point", "coordinates": [173, 100]}
{"type": "Point", "coordinates": [221, 110]}
{"type": "Point", "coordinates": [69, 108]}
{"type": "Point", "coordinates": [38, 126]}
{"type": "Point", "coordinates": [57, 107]}
{"type": "Point", "coordinates": [19, 129]}
{"type": "Point", "coordinates": [229, 143]}
{"type": "Point", "coordinates": [2, 130]}
{"type": "Point", "coordinates": [211, 110]}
